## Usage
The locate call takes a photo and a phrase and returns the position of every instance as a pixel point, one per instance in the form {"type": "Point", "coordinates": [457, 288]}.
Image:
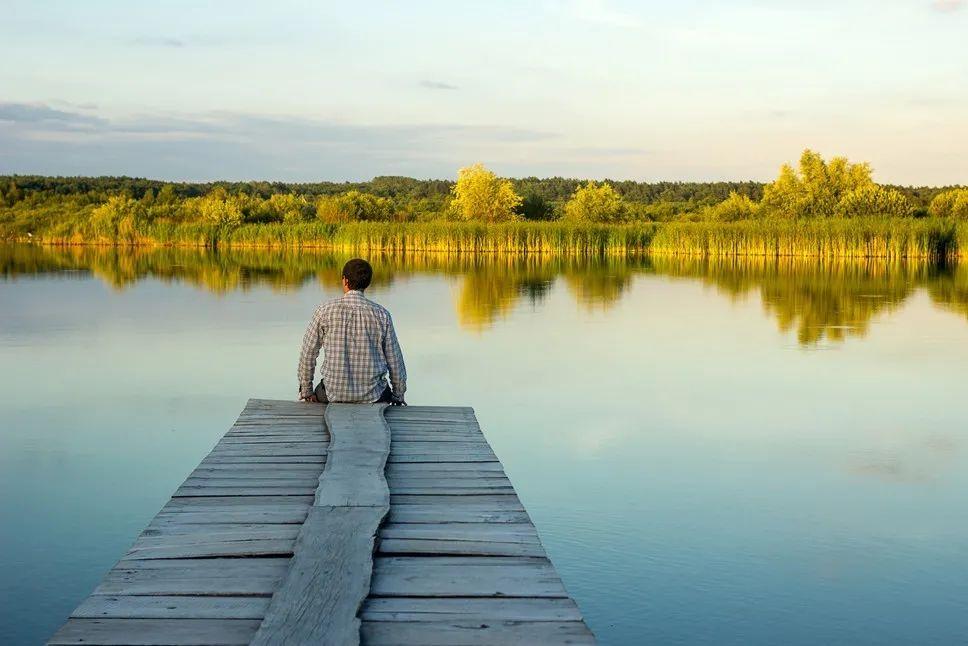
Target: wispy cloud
{"type": "Point", "coordinates": [43, 115]}
{"type": "Point", "coordinates": [437, 85]}
{"type": "Point", "coordinates": [947, 6]}
{"type": "Point", "coordinates": [158, 41]}
{"type": "Point", "coordinates": [35, 137]}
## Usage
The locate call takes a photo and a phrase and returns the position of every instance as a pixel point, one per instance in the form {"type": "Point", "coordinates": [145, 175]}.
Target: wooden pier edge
{"type": "Point", "coordinates": [338, 524]}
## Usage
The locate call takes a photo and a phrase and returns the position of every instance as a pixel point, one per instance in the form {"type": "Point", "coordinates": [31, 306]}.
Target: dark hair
{"type": "Point", "coordinates": [358, 273]}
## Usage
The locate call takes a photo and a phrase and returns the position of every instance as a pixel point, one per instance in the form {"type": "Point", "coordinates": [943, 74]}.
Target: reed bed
{"type": "Point", "coordinates": [885, 238]}
{"type": "Point", "coordinates": [888, 238]}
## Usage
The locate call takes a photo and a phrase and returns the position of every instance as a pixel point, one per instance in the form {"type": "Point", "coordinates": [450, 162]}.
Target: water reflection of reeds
{"type": "Point", "coordinates": [814, 298]}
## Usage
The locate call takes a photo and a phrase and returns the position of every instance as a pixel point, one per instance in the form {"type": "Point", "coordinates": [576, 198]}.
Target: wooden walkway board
{"type": "Point", "coordinates": [329, 577]}
{"type": "Point", "coordinates": [205, 568]}
{"type": "Point", "coordinates": [459, 561]}
{"type": "Point", "coordinates": [337, 524]}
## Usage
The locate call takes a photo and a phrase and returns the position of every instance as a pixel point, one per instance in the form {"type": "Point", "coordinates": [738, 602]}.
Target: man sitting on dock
{"type": "Point", "coordinates": [359, 344]}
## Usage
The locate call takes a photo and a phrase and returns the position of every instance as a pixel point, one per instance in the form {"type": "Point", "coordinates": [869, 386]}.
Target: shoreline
{"type": "Point", "coordinates": [924, 239]}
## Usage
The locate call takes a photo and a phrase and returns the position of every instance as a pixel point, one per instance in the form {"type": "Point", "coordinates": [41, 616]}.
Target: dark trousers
{"type": "Point", "coordinates": [386, 396]}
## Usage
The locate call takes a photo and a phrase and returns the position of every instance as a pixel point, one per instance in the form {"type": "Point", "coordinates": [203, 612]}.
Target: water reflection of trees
{"type": "Point", "coordinates": [817, 300]}
{"type": "Point", "coordinates": [948, 288]}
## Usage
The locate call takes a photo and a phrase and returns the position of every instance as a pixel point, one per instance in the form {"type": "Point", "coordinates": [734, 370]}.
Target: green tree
{"type": "Point", "coordinates": [218, 207]}
{"type": "Point", "coordinates": [354, 206]}
{"type": "Point", "coordinates": [835, 189]}
{"type": "Point", "coordinates": [733, 208]}
{"type": "Point", "coordinates": [479, 194]}
{"type": "Point", "coordinates": [950, 204]}
{"type": "Point", "coordinates": [118, 218]}
{"type": "Point", "coordinates": [535, 207]}
{"type": "Point", "coordinates": [595, 203]}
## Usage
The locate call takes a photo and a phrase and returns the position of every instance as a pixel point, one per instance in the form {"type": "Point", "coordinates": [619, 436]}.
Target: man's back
{"type": "Point", "coordinates": [360, 349]}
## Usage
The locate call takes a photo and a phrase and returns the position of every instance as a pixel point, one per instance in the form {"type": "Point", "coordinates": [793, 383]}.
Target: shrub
{"type": "Point", "coordinates": [595, 203]}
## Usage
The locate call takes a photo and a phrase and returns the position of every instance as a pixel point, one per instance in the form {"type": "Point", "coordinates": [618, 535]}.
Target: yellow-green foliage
{"type": "Point", "coordinates": [117, 219]}
{"type": "Point", "coordinates": [823, 238]}
{"type": "Point", "coordinates": [819, 189]}
{"type": "Point", "coordinates": [284, 207]}
{"type": "Point", "coordinates": [479, 194]}
{"type": "Point", "coordinates": [218, 207]}
{"type": "Point", "coordinates": [950, 204]}
{"type": "Point", "coordinates": [733, 208]}
{"type": "Point", "coordinates": [595, 203]}
{"type": "Point", "coordinates": [353, 206]}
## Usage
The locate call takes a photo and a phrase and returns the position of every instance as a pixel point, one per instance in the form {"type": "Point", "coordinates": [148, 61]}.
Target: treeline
{"type": "Point", "coordinates": [140, 211]}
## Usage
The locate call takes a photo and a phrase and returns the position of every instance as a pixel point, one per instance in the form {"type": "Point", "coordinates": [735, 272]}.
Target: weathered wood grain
{"type": "Point", "coordinates": [475, 633]}
{"type": "Point", "coordinates": [481, 609]}
{"type": "Point", "coordinates": [329, 577]}
{"type": "Point", "coordinates": [152, 632]}
{"type": "Point", "coordinates": [470, 576]}
{"type": "Point", "coordinates": [171, 607]}
{"type": "Point", "coordinates": [271, 539]}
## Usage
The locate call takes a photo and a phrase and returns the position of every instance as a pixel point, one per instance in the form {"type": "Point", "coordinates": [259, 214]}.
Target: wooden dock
{"type": "Point", "coordinates": [339, 524]}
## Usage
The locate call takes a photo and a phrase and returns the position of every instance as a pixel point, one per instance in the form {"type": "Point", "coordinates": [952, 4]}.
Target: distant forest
{"type": "Point", "coordinates": [542, 195]}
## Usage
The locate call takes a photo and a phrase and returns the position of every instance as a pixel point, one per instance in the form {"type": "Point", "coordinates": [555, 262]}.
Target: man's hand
{"type": "Point", "coordinates": [312, 399]}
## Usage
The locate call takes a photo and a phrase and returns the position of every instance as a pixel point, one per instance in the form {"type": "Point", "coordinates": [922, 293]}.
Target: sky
{"type": "Point", "coordinates": [307, 91]}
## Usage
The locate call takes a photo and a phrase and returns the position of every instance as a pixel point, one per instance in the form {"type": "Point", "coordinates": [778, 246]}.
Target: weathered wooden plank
{"type": "Point", "coordinates": [445, 468]}
{"type": "Point", "coordinates": [270, 450]}
{"type": "Point", "coordinates": [484, 547]}
{"type": "Point", "coordinates": [333, 559]}
{"type": "Point", "coordinates": [444, 448]}
{"type": "Point", "coordinates": [479, 609]}
{"type": "Point", "coordinates": [303, 482]}
{"type": "Point", "coordinates": [491, 501]}
{"type": "Point", "coordinates": [223, 502]}
{"type": "Point", "coordinates": [437, 438]}
{"type": "Point", "coordinates": [151, 632]}
{"type": "Point", "coordinates": [465, 479]}
{"type": "Point", "coordinates": [187, 582]}
{"type": "Point", "coordinates": [178, 527]}
{"type": "Point", "coordinates": [241, 491]}
{"type": "Point", "coordinates": [461, 562]}
{"type": "Point", "coordinates": [433, 490]}
{"type": "Point", "coordinates": [474, 633]}
{"type": "Point", "coordinates": [205, 577]}
{"type": "Point", "coordinates": [238, 438]}
{"type": "Point", "coordinates": [354, 484]}
{"type": "Point", "coordinates": [441, 457]}
{"type": "Point", "coordinates": [485, 576]}
{"type": "Point", "coordinates": [294, 514]}
{"type": "Point", "coordinates": [270, 470]}
{"type": "Point", "coordinates": [207, 549]}
{"type": "Point", "coordinates": [475, 531]}
{"type": "Point", "coordinates": [171, 607]}
{"type": "Point", "coordinates": [441, 513]}
{"type": "Point", "coordinates": [355, 468]}
{"type": "Point", "coordinates": [328, 580]}
{"type": "Point", "coordinates": [243, 459]}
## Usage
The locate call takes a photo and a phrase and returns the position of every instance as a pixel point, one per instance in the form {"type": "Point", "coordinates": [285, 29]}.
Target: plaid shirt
{"type": "Point", "coordinates": [360, 349]}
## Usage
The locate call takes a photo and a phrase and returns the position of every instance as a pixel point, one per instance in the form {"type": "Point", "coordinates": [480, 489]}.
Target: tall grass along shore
{"type": "Point", "coordinates": [890, 238]}
{"type": "Point", "coordinates": [818, 209]}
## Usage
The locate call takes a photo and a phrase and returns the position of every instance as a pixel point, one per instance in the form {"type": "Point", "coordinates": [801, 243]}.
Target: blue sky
{"type": "Point", "coordinates": [693, 90]}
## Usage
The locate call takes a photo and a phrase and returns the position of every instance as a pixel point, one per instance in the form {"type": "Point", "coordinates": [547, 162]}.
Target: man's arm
{"type": "Point", "coordinates": [312, 342]}
{"type": "Point", "coordinates": [394, 357]}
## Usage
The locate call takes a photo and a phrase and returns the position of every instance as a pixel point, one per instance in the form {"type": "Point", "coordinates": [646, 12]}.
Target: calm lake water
{"type": "Point", "coordinates": [713, 452]}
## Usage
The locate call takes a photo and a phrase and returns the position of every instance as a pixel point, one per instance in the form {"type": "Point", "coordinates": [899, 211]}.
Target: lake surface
{"type": "Point", "coordinates": [713, 452]}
